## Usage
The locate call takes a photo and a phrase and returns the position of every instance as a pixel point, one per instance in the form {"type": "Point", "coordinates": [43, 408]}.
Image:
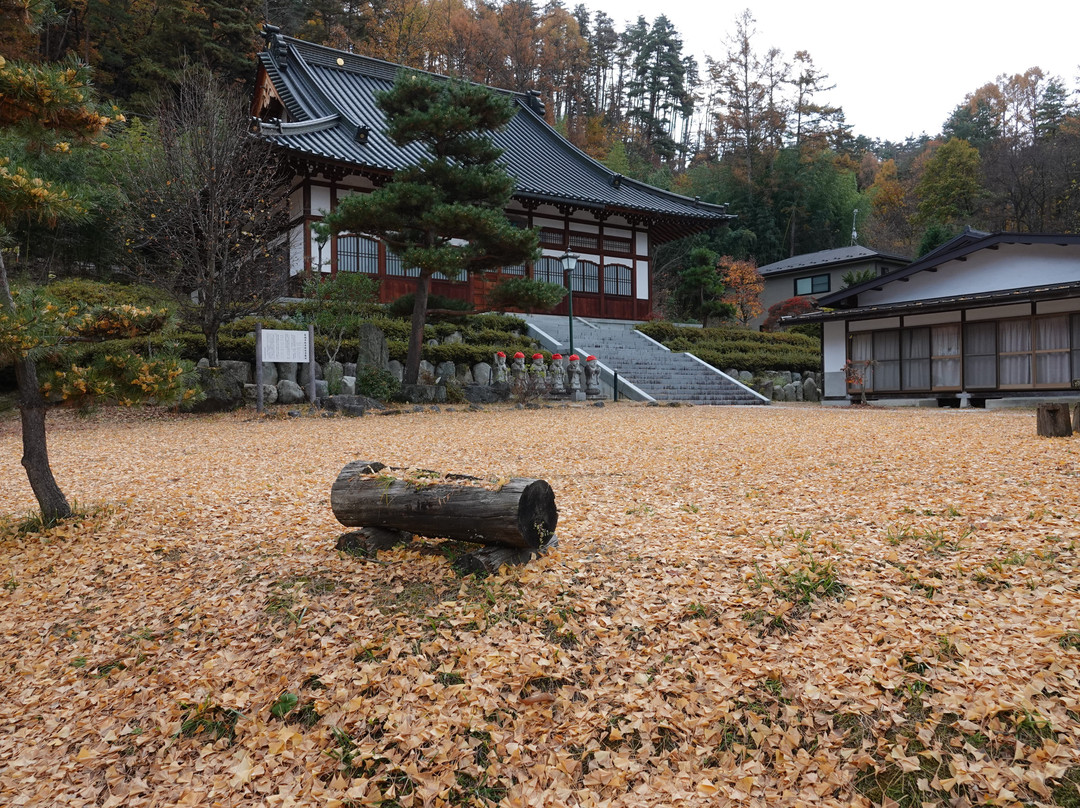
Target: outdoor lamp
{"type": "Point", "coordinates": [569, 262]}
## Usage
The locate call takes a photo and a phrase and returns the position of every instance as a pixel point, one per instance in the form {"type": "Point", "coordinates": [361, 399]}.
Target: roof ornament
{"type": "Point", "coordinates": [363, 132]}
{"type": "Point", "coordinates": [616, 181]}
{"type": "Point", "coordinates": [534, 102]}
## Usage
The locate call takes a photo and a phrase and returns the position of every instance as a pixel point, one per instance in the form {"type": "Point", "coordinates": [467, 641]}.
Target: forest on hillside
{"type": "Point", "coordinates": [752, 127]}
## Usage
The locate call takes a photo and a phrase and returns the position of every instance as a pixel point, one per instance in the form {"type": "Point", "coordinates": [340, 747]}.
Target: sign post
{"type": "Point", "coordinates": [276, 345]}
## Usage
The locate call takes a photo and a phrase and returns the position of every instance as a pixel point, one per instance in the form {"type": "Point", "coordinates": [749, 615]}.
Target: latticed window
{"type": "Point", "coordinates": [613, 244]}
{"type": "Point", "coordinates": [395, 267]}
{"type": "Point", "coordinates": [515, 270]}
{"type": "Point", "coordinates": [585, 241]}
{"type": "Point", "coordinates": [552, 238]}
{"type": "Point", "coordinates": [548, 270]}
{"type": "Point", "coordinates": [586, 277]}
{"type": "Point", "coordinates": [617, 280]}
{"type": "Point", "coordinates": [358, 254]}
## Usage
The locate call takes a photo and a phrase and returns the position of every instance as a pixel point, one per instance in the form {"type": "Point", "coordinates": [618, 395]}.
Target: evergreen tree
{"type": "Point", "coordinates": [48, 107]}
{"type": "Point", "coordinates": [701, 289]}
{"type": "Point", "coordinates": [446, 213]}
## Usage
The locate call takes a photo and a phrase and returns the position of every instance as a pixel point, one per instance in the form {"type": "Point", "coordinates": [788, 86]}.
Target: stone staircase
{"type": "Point", "coordinates": [647, 371]}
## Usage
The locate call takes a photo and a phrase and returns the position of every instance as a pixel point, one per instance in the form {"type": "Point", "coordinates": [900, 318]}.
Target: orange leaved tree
{"type": "Point", "coordinates": [744, 285]}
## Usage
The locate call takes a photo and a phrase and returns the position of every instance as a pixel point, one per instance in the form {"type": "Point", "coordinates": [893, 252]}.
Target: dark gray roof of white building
{"type": "Point", "coordinates": [828, 259]}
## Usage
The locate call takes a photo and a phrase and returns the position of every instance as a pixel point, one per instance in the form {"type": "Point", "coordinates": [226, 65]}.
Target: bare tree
{"type": "Point", "coordinates": [208, 216]}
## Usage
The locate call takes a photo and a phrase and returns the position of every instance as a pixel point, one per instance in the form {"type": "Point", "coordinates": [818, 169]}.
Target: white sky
{"type": "Point", "coordinates": [900, 68]}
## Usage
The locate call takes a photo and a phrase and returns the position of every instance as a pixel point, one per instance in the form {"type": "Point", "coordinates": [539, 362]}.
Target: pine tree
{"type": "Point", "coordinates": [446, 213]}
{"type": "Point", "coordinates": [48, 107]}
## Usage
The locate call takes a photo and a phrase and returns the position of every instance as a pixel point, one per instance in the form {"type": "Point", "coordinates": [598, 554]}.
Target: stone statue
{"type": "Point", "coordinates": [538, 372]}
{"type": "Point", "coordinates": [558, 375]}
{"type": "Point", "coordinates": [517, 369]}
{"type": "Point", "coordinates": [592, 376]}
{"type": "Point", "coordinates": [499, 373]}
{"type": "Point", "coordinates": [573, 373]}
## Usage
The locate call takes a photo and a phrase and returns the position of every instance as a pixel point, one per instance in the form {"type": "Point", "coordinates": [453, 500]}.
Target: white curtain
{"type": "Point", "coordinates": [1052, 350]}
{"type": "Point", "coordinates": [980, 355]}
{"type": "Point", "coordinates": [887, 360]}
{"type": "Point", "coordinates": [1014, 339]}
{"type": "Point", "coordinates": [862, 350]}
{"type": "Point", "coordinates": [915, 356]}
{"type": "Point", "coordinates": [945, 349]}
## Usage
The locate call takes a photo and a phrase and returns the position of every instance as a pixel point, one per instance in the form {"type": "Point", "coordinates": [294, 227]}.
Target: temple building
{"type": "Point", "coordinates": [318, 103]}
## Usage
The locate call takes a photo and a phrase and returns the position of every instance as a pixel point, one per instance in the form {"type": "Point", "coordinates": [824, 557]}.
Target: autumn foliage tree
{"type": "Point", "coordinates": [48, 107]}
{"type": "Point", "coordinates": [786, 308]}
{"type": "Point", "coordinates": [744, 286]}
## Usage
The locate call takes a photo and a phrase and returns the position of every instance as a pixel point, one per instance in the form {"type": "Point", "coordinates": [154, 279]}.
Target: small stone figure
{"type": "Point", "coordinates": [517, 369]}
{"type": "Point", "coordinates": [538, 372]}
{"type": "Point", "coordinates": [592, 376]}
{"type": "Point", "coordinates": [499, 372]}
{"type": "Point", "coordinates": [573, 373]}
{"type": "Point", "coordinates": [558, 375]}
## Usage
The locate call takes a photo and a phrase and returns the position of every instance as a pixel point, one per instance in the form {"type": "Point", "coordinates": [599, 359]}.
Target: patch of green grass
{"type": "Point", "coordinates": [1070, 639]}
{"type": "Point", "coordinates": [209, 722]}
{"type": "Point", "coordinates": [35, 523]}
{"type": "Point", "coordinates": [450, 678]}
{"type": "Point", "coordinates": [1066, 792]}
{"type": "Point", "coordinates": [767, 623]}
{"type": "Point", "coordinates": [284, 704]}
{"type": "Point", "coordinates": [472, 791]}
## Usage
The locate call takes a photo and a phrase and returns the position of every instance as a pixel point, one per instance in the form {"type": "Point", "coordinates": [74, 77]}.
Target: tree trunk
{"type": "Point", "coordinates": [211, 346]}
{"type": "Point", "coordinates": [54, 505]}
{"type": "Point", "coordinates": [35, 459]}
{"type": "Point", "coordinates": [520, 514]}
{"type": "Point", "coordinates": [1052, 421]}
{"type": "Point", "coordinates": [416, 334]}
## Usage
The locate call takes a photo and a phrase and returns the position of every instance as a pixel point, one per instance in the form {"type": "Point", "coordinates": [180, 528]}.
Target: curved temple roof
{"type": "Point", "coordinates": [331, 115]}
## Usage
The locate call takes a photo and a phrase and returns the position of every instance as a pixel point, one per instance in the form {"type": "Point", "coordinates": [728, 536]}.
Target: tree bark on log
{"type": "Point", "coordinates": [520, 514]}
{"type": "Point", "coordinates": [1052, 421]}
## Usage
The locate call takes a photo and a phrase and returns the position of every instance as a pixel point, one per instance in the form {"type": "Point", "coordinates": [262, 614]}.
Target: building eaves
{"type": "Point", "coordinates": [977, 300]}
{"type": "Point", "coordinates": [828, 259]}
{"type": "Point", "coordinates": [968, 242]}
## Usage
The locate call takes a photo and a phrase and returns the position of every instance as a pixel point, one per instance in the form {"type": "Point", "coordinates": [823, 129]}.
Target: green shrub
{"type": "Point", "coordinates": [376, 383]}
{"type": "Point", "coordinates": [740, 348]}
{"type": "Point", "coordinates": [87, 293]}
{"type": "Point", "coordinates": [403, 306]}
{"type": "Point", "coordinates": [527, 294]}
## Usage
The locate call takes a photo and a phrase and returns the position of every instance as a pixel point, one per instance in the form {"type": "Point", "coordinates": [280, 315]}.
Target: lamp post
{"type": "Point", "coordinates": [569, 262]}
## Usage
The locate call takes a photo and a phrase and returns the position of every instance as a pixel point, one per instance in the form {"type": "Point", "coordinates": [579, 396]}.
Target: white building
{"type": "Point", "coordinates": [986, 317]}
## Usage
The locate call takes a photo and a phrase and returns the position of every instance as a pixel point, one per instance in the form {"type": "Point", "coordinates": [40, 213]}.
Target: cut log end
{"type": "Point", "coordinates": [1052, 421]}
{"type": "Point", "coordinates": [537, 515]}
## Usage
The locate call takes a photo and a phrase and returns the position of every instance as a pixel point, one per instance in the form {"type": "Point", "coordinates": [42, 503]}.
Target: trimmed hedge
{"type": "Point", "coordinates": [482, 334]}
{"type": "Point", "coordinates": [740, 348]}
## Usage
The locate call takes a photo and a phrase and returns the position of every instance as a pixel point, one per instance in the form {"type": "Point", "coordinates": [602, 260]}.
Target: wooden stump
{"type": "Point", "coordinates": [520, 513]}
{"type": "Point", "coordinates": [1052, 421]}
{"type": "Point", "coordinates": [1076, 417]}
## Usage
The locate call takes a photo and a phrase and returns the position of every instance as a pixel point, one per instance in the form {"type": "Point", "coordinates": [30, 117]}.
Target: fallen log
{"type": "Point", "coordinates": [519, 513]}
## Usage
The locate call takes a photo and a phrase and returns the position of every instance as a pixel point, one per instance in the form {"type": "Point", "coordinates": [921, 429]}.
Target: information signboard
{"type": "Point", "coordinates": [285, 346]}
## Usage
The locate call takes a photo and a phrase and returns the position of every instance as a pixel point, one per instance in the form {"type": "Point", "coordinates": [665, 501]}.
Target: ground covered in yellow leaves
{"type": "Point", "coordinates": [753, 606]}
